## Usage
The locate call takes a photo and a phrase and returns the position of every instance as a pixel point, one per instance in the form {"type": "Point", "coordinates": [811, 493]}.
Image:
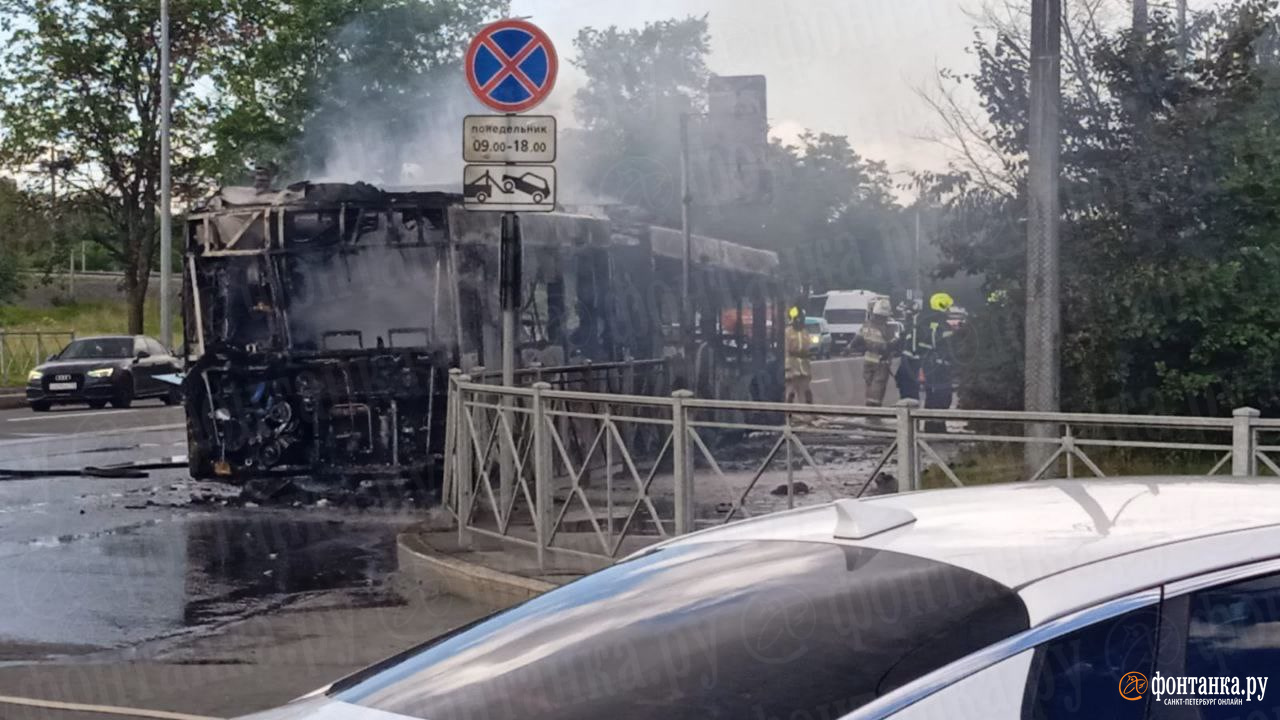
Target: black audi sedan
{"type": "Point", "coordinates": [115, 369]}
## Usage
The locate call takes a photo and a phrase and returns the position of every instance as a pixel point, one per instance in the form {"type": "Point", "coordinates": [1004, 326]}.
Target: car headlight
{"type": "Point", "coordinates": [101, 373]}
{"type": "Point", "coordinates": [816, 339]}
{"type": "Point", "coordinates": [34, 376]}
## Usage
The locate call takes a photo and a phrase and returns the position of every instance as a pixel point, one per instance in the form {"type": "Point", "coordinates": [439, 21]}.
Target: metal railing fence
{"type": "Point", "coordinates": [20, 351]}
{"type": "Point", "coordinates": [600, 475]}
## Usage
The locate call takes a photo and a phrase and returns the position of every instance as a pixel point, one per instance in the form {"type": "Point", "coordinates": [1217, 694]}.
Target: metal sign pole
{"type": "Point", "coordinates": [511, 261]}
{"type": "Point", "coordinates": [509, 296]}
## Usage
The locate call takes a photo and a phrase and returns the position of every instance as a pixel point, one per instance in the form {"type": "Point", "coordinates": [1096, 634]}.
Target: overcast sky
{"type": "Point", "coordinates": [850, 67]}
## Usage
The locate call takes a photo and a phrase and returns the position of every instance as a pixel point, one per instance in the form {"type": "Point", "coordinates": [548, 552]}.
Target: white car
{"type": "Point", "coordinates": [1043, 600]}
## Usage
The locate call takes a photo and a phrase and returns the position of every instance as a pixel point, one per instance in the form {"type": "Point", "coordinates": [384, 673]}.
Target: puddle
{"type": "Point", "coordinates": [184, 572]}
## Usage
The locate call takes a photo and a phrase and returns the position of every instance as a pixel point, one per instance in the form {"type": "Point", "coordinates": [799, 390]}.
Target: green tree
{"type": "Point", "coordinates": [1170, 239]}
{"type": "Point", "coordinates": [309, 72]}
{"type": "Point", "coordinates": [26, 234]}
{"type": "Point", "coordinates": [82, 80]}
{"type": "Point", "coordinates": [639, 84]}
{"type": "Point", "coordinates": [831, 215]}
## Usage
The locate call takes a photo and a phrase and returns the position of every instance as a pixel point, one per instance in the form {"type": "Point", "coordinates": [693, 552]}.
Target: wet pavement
{"type": "Point", "coordinates": [101, 564]}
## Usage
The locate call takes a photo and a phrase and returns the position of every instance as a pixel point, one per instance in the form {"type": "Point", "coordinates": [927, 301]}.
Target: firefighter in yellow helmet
{"type": "Point", "coordinates": [798, 371]}
{"type": "Point", "coordinates": [878, 343]}
{"type": "Point", "coordinates": [933, 344]}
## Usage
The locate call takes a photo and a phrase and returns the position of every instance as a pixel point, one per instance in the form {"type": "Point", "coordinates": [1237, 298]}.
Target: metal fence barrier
{"type": "Point", "coordinates": [22, 351]}
{"type": "Point", "coordinates": [601, 475]}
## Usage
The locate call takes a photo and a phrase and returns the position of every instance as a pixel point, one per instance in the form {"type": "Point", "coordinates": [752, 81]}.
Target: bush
{"type": "Point", "coordinates": [10, 279]}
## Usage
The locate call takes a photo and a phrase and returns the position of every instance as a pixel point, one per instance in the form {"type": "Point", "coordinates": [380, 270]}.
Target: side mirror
{"type": "Point", "coordinates": [143, 355]}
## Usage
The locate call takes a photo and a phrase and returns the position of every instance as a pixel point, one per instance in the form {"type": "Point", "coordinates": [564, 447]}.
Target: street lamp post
{"type": "Point", "coordinates": [166, 218]}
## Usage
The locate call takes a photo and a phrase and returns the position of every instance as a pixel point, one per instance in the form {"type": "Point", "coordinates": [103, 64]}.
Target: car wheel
{"type": "Point", "coordinates": [40, 406]}
{"type": "Point", "coordinates": [508, 187]}
{"type": "Point", "coordinates": [537, 198]}
{"type": "Point", "coordinates": [482, 196]}
{"type": "Point", "coordinates": [123, 400]}
{"type": "Point", "coordinates": [173, 397]}
{"type": "Point", "coordinates": [97, 404]}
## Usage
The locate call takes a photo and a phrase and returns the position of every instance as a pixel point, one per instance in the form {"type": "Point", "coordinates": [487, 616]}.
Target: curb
{"type": "Point", "coordinates": [465, 579]}
{"type": "Point", "coordinates": [12, 402]}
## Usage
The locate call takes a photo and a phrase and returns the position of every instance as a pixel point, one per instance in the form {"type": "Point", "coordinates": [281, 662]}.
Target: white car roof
{"type": "Point", "coordinates": [1033, 536]}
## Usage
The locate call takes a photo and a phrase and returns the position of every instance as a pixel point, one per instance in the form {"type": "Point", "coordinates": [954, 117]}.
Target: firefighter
{"type": "Point", "coordinates": [877, 343]}
{"type": "Point", "coordinates": [907, 376]}
{"type": "Point", "coordinates": [798, 371]}
{"type": "Point", "coordinates": [933, 341]}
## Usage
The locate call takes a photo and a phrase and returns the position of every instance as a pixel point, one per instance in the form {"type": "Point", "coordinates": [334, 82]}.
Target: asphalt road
{"type": "Point", "coordinates": [23, 424]}
{"type": "Point", "coordinates": [839, 381]}
{"type": "Point", "coordinates": [163, 593]}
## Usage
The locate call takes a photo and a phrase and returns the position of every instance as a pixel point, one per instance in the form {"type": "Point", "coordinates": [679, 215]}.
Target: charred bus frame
{"type": "Point", "coordinates": [321, 321]}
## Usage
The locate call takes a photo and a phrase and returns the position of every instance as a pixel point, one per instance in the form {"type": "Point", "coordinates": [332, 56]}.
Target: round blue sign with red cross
{"type": "Point", "coordinates": [511, 66]}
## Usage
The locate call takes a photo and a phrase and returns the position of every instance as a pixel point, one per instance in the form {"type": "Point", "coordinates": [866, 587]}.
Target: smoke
{"type": "Point", "coordinates": [419, 145]}
{"type": "Point", "coordinates": [414, 138]}
{"type": "Point", "coordinates": [375, 291]}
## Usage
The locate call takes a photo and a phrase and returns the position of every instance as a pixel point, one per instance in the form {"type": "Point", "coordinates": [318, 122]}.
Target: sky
{"type": "Point", "coordinates": [850, 67]}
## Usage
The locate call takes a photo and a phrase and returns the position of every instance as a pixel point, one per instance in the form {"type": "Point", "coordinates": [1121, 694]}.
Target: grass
{"type": "Point", "coordinates": [84, 319]}
{"type": "Point", "coordinates": [990, 464]}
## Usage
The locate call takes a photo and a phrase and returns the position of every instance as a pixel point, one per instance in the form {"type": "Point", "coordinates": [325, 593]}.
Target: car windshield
{"type": "Point", "coordinates": [846, 316]}
{"type": "Point", "coordinates": [98, 348]}
{"type": "Point", "coordinates": [813, 324]}
{"type": "Point", "coordinates": [728, 629]}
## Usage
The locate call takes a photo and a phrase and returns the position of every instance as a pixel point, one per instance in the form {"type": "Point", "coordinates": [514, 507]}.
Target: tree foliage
{"type": "Point", "coordinates": [1170, 236]}
{"type": "Point", "coordinates": [252, 79]}
{"type": "Point", "coordinates": [82, 83]}
{"type": "Point", "coordinates": [18, 220]}
{"type": "Point", "coordinates": [832, 215]}
{"type": "Point", "coordinates": [311, 72]}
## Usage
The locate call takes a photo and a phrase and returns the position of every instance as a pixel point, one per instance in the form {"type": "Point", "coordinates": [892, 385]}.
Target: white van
{"type": "Point", "coordinates": [845, 312]}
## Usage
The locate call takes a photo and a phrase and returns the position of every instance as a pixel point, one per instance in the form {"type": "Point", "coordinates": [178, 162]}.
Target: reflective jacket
{"type": "Point", "coordinates": [797, 364]}
{"type": "Point", "coordinates": [876, 341]}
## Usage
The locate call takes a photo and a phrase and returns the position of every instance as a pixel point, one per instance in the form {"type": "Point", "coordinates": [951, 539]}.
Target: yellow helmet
{"type": "Point", "coordinates": [941, 301]}
{"type": "Point", "coordinates": [793, 313]}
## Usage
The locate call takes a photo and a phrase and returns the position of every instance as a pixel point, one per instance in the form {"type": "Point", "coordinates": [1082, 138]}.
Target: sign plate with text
{"type": "Point", "coordinates": [509, 139]}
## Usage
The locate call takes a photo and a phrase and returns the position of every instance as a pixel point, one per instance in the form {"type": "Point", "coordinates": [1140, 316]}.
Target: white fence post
{"type": "Point", "coordinates": [682, 473]}
{"type": "Point", "coordinates": [1244, 457]}
{"type": "Point", "coordinates": [542, 495]}
{"type": "Point", "coordinates": [908, 453]}
{"type": "Point", "coordinates": [464, 478]}
{"type": "Point", "coordinates": [449, 487]}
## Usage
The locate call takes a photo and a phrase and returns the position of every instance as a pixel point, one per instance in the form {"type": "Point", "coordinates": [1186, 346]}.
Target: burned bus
{"type": "Point", "coordinates": [320, 323]}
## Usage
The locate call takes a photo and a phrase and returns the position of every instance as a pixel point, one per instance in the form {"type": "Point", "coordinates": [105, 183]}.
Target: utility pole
{"type": "Point", "coordinates": [1184, 32]}
{"type": "Point", "coordinates": [1043, 314]}
{"type": "Point", "coordinates": [686, 301]}
{"type": "Point", "coordinates": [166, 199]}
{"type": "Point", "coordinates": [919, 292]}
{"type": "Point", "coordinates": [1140, 22]}
{"type": "Point", "coordinates": [56, 164]}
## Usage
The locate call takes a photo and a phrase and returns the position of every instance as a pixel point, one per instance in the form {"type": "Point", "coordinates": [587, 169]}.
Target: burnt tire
{"type": "Point", "coordinates": [40, 406]}
{"type": "Point", "coordinates": [173, 397]}
{"type": "Point", "coordinates": [123, 400]}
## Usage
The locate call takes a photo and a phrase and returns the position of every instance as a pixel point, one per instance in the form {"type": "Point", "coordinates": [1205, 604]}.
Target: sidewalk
{"type": "Point", "coordinates": [487, 571]}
